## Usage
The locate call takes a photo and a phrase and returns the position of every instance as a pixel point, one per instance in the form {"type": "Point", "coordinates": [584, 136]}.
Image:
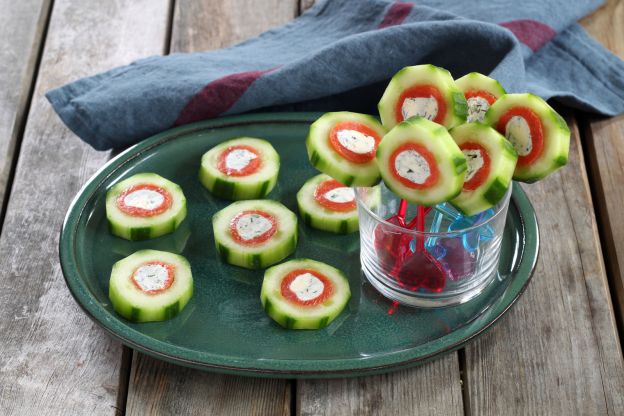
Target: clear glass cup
{"type": "Point", "coordinates": [449, 263]}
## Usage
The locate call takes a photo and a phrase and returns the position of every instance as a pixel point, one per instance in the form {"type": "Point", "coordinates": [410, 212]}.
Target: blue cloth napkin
{"type": "Point", "coordinates": [339, 55]}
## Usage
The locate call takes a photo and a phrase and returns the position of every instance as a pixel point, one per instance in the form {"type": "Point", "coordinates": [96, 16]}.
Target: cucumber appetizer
{"type": "Point", "coordinates": [242, 168]}
{"type": "Point", "coordinates": [491, 162]}
{"type": "Point", "coordinates": [326, 204]}
{"type": "Point", "coordinates": [255, 234]}
{"type": "Point", "coordinates": [343, 146]}
{"type": "Point", "coordinates": [420, 162]}
{"type": "Point", "coordinates": [304, 294]}
{"type": "Point", "coordinates": [480, 92]}
{"type": "Point", "coordinates": [540, 136]}
{"type": "Point", "coordinates": [150, 285]}
{"type": "Point", "coordinates": [144, 206]}
{"type": "Point", "coordinates": [426, 91]}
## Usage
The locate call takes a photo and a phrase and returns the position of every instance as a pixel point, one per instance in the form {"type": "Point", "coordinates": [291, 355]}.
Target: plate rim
{"type": "Point", "coordinates": [276, 368]}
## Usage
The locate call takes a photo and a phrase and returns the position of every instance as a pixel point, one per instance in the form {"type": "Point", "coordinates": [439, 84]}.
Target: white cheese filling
{"type": "Point", "coordinates": [238, 159]}
{"type": "Point", "coordinates": [426, 107]}
{"type": "Point", "coordinates": [477, 107]}
{"type": "Point", "coordinates": [410, 164]}
{"type": "Point", "coordinates": [250, 226]}
{"type": "Point", "coordinates": [518, 132]}
{"type": "Point", "coordinates": [151, 277]}
{"type": "Point", "coordinates": [356, 141]}
{"type": "Point", "coordinates": [306, 286]}
{"type": "Point", "coordinates": [475, 162]}
{"type": "Point", "coordinates": [340, 195]}
{"type": "Point", "coordinates": [144, 198]}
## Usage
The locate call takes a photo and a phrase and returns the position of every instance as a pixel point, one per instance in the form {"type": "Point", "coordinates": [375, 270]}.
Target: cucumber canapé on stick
{"type": "Point", "coordinates": [427, 91]}
{"type": "Point", "coordinates": [540, 136]}
{"type": "Point", "coordinates": [420, 162]}
{"type": "Point", "coordinates": [343, 146]}
{"type": "Point", "coordinates": [242, 168]}
{"type": "Point", "coordinates": [491, 162]}
{"type": "Point", "coordinates": [144, 206]}
{"type": "Point", "coordinates": [480, 92]}
{"type": "Point", "coordinates": [255, 234]}
{"type": "Point", "coordinates": [304, 294]}
{"type": "Point", "coordinates": [150, 285]}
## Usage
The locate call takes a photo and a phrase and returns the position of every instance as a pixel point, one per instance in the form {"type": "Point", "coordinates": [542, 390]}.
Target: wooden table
{"type": "Point", "coordinates": [556, 352]}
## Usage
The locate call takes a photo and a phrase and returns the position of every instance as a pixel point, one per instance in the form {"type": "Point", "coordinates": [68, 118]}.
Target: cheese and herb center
{"type": "Point", "coordinates": [426, 107]}
{"type": "Point", "coordinates": [474, 159]}
{"type": "Point", "coordinates": [477, 107]}
{"type": "Point", "coordinates": [333, 195]}
{"type": "Point", "coordinates": [518, 132]}
{"type": "Point", "coordinates": [306, 287]}
{"type": "Point", "coordinates": [239, 160]}
{"type": "Point", "coordinates": [411, 165]}
{"type": "Point", "coordinates": [356, 141]}
{"type": "Point", "coordinates": [252, 227]}
{"type": "Point", "coordinates": [144, 200]}
{"type": "Point", "coordinates": [340, 195]}
{"type": "Point", "coordinates": [153, 277]}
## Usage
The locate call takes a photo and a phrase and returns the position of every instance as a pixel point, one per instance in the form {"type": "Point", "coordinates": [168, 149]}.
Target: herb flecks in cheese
{"type": "Point", "coordinates": [518, 132]}
{"type": "Point", "coordinates": [426, 107]}
{"type": "Point", "coordinates": [250, 226]}
{"type": "Point", "coordinates": [356, 141]}
{"type": "Point", "coordinates": [306, 287]}
{"type": "Point", "coordinates": [412, 166]}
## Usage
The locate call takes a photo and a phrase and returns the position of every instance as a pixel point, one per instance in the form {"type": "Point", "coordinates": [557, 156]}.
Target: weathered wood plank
{"type": "Point", "coordinates": [433, 389]}
{"type": "Point", "coordinates": [22, 24]}
{"type": "Point", "coordinates": [557, 352]}
{"type": "Point", "coordinates": [160, 388]}
{"type": "Point", "coordinates": [605, 148]}
{"type": "Point", "coordinates": [54, 360]}
{"type": "Point", "coordinates": [205, 25]}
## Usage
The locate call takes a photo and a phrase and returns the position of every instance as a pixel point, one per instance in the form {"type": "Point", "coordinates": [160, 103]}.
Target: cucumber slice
{"type": "Point", "coordinates": [423, 90]}
{"type": "Point", "coordinates": [304, 294]}
{"type": "Point", "coordinates": [491, 162]}
{"type": "Point", "coordinates": [540, 136]}
{"type": "Point", "coordinates": [150, 285]}
{"type": "Point", "coordinates": [242, 168]}
{"type": "Point", "coordinates": [144, 206]}
{"type": "Point", "coordinates": [420, 162]}
{"type": "Point", "coordinates": [255, 234]}
{"type": "Point", "coordinates": [480, 92]}
{"type": "Point", "coordinates": [343, 146]}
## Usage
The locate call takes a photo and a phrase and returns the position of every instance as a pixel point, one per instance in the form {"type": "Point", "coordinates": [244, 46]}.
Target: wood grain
{"type": "Point", "coordinates": [22, 24]}
{"type": "Point", "coordinates": [54, 360]}
{"type": "Point", "coordinates": [605, 148]}
{"type": "Point", "coordinates": [557, 351]}
{"type": "Point", "coordinates": [155, 386]}
{"type": "Point", "coordinates": [432, 389]}
{"type": "Point", "coordinates": [206, 25]}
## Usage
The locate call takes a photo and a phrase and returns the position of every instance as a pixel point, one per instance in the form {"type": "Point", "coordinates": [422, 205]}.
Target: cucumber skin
{"type": "Point", "coordinates": [344, 226]}
{"type": "Point", "coordinates": [258, 260]}
{"type": "Point", "coordinates": [326, 166]}
{"type": "Point", "coordinates": [145, 232]}
{"type": "Point", "coordinates": [290, 322]}
{"type": "Point", "coordinates": [236, 191]}
{"type": "Point", "coordinates": [436, 130]}
{"type": "Point", "coordinates": [560, 129]}
{"type": "Point", "coordinates": [456, 103]}
{"type": "Point", "coordinates": [133, 313]}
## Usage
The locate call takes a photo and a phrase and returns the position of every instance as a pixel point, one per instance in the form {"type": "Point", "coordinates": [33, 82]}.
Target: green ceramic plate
{"type": "Point", "coordinates": [223, 328]}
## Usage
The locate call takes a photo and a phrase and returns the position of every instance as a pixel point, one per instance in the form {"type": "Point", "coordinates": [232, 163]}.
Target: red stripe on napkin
{"type": "Point", "coordinates": [532, 33]}
{"type": "Point", "coordinates": [396, 14]}
{"type": "Point", "coordinates": [218, 96]}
